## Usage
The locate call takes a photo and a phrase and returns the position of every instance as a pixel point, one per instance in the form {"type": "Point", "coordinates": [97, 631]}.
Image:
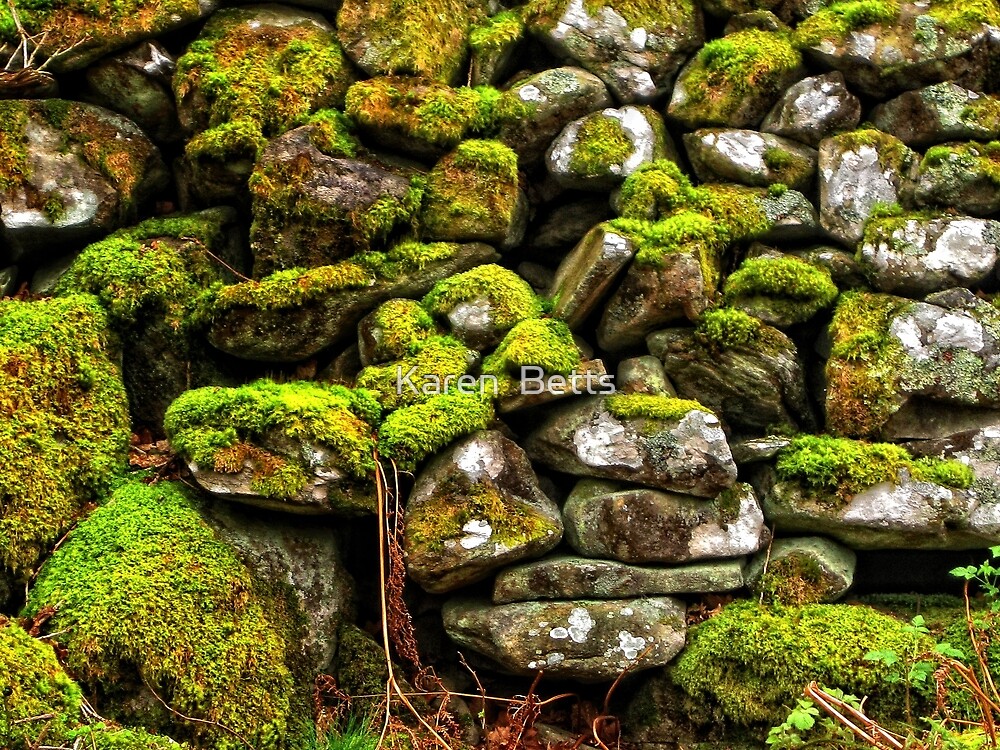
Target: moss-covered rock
{"type": "Point", "coordinates": [964, 176]}
{"type": "Point", "coordinates": [813, 109]}
{"type": "Point", "coordinates": [534, 348]}
{"type": "Point", "coordinates": [149, 598]}
{"type": "Point", "coordinates": [939, 113]}
{"type": "Point", "coordinates": [750, 158]}
{"type": "Point", "coordinates": [429, 367]}
{"type": "Point", "coordinates": [65, 428]}
{"type": "Point", "coordinates": [803, 570]}
{"type": "Point", "coordinates": [392, 329]}
{"type": "Point", "coordinates": [473, 195]}
{"type": "Point", "coordinates": [492, 44]}
{"type": "Point", "coordinates": [300, 447]}
{"type": "Point", "coordinates": [780, 290]}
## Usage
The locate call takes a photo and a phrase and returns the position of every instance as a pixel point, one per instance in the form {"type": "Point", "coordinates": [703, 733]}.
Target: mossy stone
{"type": "Point", "coordinates": [781, 291]}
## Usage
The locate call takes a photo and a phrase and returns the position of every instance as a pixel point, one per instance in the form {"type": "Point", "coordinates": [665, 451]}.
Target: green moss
{"type": "Point", "coordinates": [497, 32]}
{"type": "Point", "coordinates": [654, 190]}
{"type": "Point", "coordinates": [649, 406]}
{"type": "Point", "coordinates": [221, 428]}
{"type": "Point", "coordinates": [105, 736]}
{"type": "Point", "coordinates": [257, 80]}
{"type": "Point", "coordinates": [739, 211]}
{"type": "Point", "coordinates": [794, 287]}
{"type": "Point", "coordinates": [892, 153]}
{"type": "Point", "coordinates": [728, 328]}
{"type": "Point", "coordinates": [331, 134]}
{"type": "Point", "coordinates": [983, 113]}
{"type": "Point", "coordinates": [964, 16]}
{"type": "Point", "coordinates": [409, 435]}
{"type": "Point", "coordinates": [14, 167]}
{"type": "Point", "coordinates": [846, 467]}
{"type": "Point", "coordinates": [438, 357]}
{"type": "Point", "coordinates": [727, 70]}
{"type": "Point", "coordinates": [160, 266]}
{"type": "Point", "coordinates": [510, 297]}
{"type": "Point", "coordinates": [777, 158]}
{"type": "Point", "coordinates": [360, 666]}
{"type": "Point", "coordinates": [601, 143]}
{"type": "Point", "coordinates": [749, 664]}
{"type": "Point", "coordinates": [64, 426]}
{"type": "Point", "coordinates": [837, 20]}
{"type": "Point", "coordinates": [397, 325]}
{"type": "Point", "coordinates": [795, 579]}
{"type": "Point", "coordinates": [544, 343]}
{"type": "Point", "coordinates": [953, 168]}
{"type": "Point", "coordinates": [147, 594]}
{"type": "Point", "coordinates": [648, 14]}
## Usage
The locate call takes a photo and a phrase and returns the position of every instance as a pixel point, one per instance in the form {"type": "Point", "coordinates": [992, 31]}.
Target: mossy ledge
{"type": "Point", "coordinates": [409, 435]}
{"type": "Point", "coordinates": [650, 406]}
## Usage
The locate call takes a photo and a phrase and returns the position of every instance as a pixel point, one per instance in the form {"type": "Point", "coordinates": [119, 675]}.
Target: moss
{"type": "Point", "coordinates": [397, 325]}
{"type": "Point", "coordinates": [160, 266]}
{"type": "Point", "coordinates": [654, 190]}
{"type": "Point", "coordinates": [777, 158]}
{"type": "Point", "coordinates": [510, 297]}
{"type": "Point", "coordinates": [837, 20]}
{"type": "Point", "coordinates": [512, 521]}
{"type": "Point", "coordinates": [600, 144]}
{"type": "Point", "coordinates": [955, 168]}
{"type": "Point", "coordinates": [740, 211]}
{"type": "Point", "coordinates": [64, 426]}
{"type": "Point", "coordinates": [497, 32]}
{"type": "Point", "coordinates": [331, 134]}
{"type": "Point", "coordinates": [727, 328]}
{"type": "Point", "coordinates": [439, 358]}
{"type": "Point", "coordinates": [221, 428]}
{"type": "Point", "coordinates": [982, 113]}
{"type": "Point", "coordinates": [650, 406]}
{"type": "Point", "coordinates": [106, 736]}
{"type": "Point", "coordinates": [795, 579]}
{"type": "Point", "coordinates": [648, 14]}
{"type": "Point", "coordinates": [33, 684]}
{"type": "Point", "coordinates": [14, 166]}
{"type": "Point", "coordinates": [846, 467]}
{"type": "Point", "coordinates": [409, 435]}
{"type": "Point", "coordinates": [147, 594]}
{"type": "Point", "coordinates": [360, 666]}
{"type": "Point", "coordinates": [544, 343]}
{"type": "Point", "coordinates": [964, 16]}
{"type": "Point", "coordinates": [892, 153]}
{"type": "Point", "coordinates": [259, 78]}
{"type": "Point", "coordinates": [749, 664]}
{"type": "Point", "coordinates": [794, 287]}
{"type": "Point", "coordinates": [747, 63]}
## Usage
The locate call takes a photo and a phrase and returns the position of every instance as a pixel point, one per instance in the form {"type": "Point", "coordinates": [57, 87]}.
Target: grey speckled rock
{"type": "Point", "coordinates": [754, 388]}
{"type": "Point", "coordinates": [916, 256]}
{"type": "Point", "coordinates": [813, 109]}
{"type": "Point", "coordinates": [961, 176]}
{"type": "Point", "coordinates": [905, 515]}
{"type": "Point", "coordinates": [939, 113]}
{"type": "Point", "coordinates": [635, 525]}
{"type": "Point", "coordinates": [584, 640]}
{"type": "Point", "coordinates": [635, 57]}
{"type": "Point", "coordinates": [600, 150]}
{"type": "Point", "coordinates": [856, 171]}
{"type": "Point", "coordinates": [689, 454]}
{"type": "Point", "coordinates": [565, 577]}
{"type": "Point", "coordinates": [750, 158]}
{"type": "Point", "coordinates": [826, 568]}
{"type": "Point", "coordinates": [475, 508]}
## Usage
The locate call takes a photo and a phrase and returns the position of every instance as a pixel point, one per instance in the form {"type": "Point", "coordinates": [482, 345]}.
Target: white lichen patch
{"type": "Point", "coordinates": [630, 646]}
{"type": "Point", "coordinates": [580, 624]}
{"type": "Point", "coordinates": [604, 441]}
{"type": "Point", "coordinates": [478, 531]}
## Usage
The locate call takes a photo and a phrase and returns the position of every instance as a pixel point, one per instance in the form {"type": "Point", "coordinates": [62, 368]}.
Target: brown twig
{"type": "Point", "coordinates": [194, 719]}
{"type": "Point", "coordinates": [875, 735]}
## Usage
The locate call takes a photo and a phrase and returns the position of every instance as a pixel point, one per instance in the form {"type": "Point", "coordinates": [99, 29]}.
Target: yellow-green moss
{"type": "Point", "coordinates": [728, 328]}
{"type": "Point", "coordinates": [654, 190]}
{"type": "Point", "coordinates": [795, 579]}
{"type": "Point", "coordinates": [331, 134]}
{"type": "Point", "coordinates": [64, 426]}
{"type": "Point", "coordinates": [892, 153]}
{"type": "Point", "coordinates": [600, 144]}
{"type": "Point", "coordinates": [409, 435]}
{"type": "Point", "coordinates": [438, 357]}
{"type": "Point", "coordinates": [544, 343]}
{"type": "Point", "coordinates": [144, 590]}
{"type": "Point", "coordinates": [748, 664]}
{"type": "Point", "coordinates": [964, 16]}
{"type": "Point", "coordinates": [497, 32]}
{"type": "Point", "coordinates": [837, 20]}
{"type": "Point", "coordinates": [798, 290]}
{"type": "Point", "coordinates": [397, 325]}
{"type": "Point", "coordinates": [107, 736]}
{"type": "Point", "coordinates": [954, 165]}
{"type": "Point", "coordinates": [651, 406]}
{"type": "Point", "coordinates": [648, 14]}
{"type": "Point", "coordinates": [510, 297]}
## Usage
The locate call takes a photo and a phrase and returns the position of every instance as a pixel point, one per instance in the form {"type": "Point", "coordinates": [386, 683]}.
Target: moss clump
{"type": "Point", "coordinates": [846, 467]}
{"type": "Point", "coordinates": [433, 113]}
{"type": "Point", "coordinates": [795, 289]}
{"type": "Point", "coordinates": [749, 663]}
{"type": "Point", "coordinates": [730, 329]}
{"type": "Point", "coordinates": [64, 427]}
{"type": "Point", "coordinates": [146, 594]}
{"type": "Point", "coordinates": [105, 736]}
{"type": "Point", "coordinates": [892, 153]}
{"type": "Point", "coordinates": [544, 343]}
{"type": "Point", "coordinates": [360, 666]}
{"type": "Point", "coordinates": [654, 190]}
{"type": "Point", "coordinates": [650, 406]}
{"type": "Point", "coordinates": [330, 132]}
{"type": "Point", "coordinates": [249, 80]}
{"type": "Point", "coordinates": [222, 428]}
{"type": "Point", "coordinates": [510, 297]}
{"type": "Point", "coordinates": [954, 172]}
{"type": "Point", "coordinates": [601, 143]}
{"type": "Point", "coordinates": [964, 16]}
{"type": "Point", "coordinates": [728, 70]}
{"type": "Point", "coordinates": [412, 433]}
{"type": "Point", "coordinates": [160, 267]}
{"type": "Point", "coordinates": [795, 579]}
{"type": "Point", "coordinates": [497, 32]}
{"type": "Point", "coordinates": [396, 326]}
{"type": "Point", "coordinates": [648, 14]}
{"type": "Point", "coordinates": [442, 359]}
{"type": "Point", "coordinates": [837, 20]}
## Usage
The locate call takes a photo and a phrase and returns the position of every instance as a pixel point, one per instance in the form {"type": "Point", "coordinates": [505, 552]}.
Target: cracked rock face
{"type": "Point", "coordinates": [584, 640]}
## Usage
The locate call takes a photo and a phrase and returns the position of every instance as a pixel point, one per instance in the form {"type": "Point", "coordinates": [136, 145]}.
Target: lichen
{"type": "Point", "coordinates": [651, 406]}
{"type": "Point", "coordinates": [544, 343]}
{"type": "Point", "coordinates": [64, 426]}
{"type": "Point", "coordinates": [146, 594]}
{"type": "Point", "coordinates": [440, 358]}
{"type": "Point", "coordinates": [410, 434]}
{"type": "Point", "coordinates": [837, 20]}
{"type": "Point", "coordinates": [794, 288]}
{"type": "Point", "coordinates": [510, 298]}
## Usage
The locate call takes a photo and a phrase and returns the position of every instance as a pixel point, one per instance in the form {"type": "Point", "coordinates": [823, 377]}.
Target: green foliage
{"type": "Point", "coordinates": [846, 467]}
{"type": "Point", "coordinates": [510, 297]}
{"type": "Point", "coordinates": [544, 343]}
{"type": "Point", "coordinates": [892, 153]}
{"type": "Point", "coordinates": [64, 426]}
{"type": "Point", "coordinates": [601, 143]}
{"type": "Point", "coordinates": [986, 576]}
{"type": "Point", "coordinates": [650, 406]}
{"type": "Point", "coordinates": [412, 433]}
{"type": "Point", "coordinates": [748, 663]}
{"type": "Point", "coordinates": [437, 357]}
{"type": "Point", "coordinates": [654, 190]}
{"type": "Point", "coordinates": [806, 288]}
{"type": "Point", "coordinates": [144, 589]}
{"type": "Point", "coordinates": [837, 20]}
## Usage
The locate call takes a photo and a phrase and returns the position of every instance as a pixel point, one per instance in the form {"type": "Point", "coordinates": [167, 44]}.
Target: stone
{"type": "Point", "coordinates": [583, 640]}
{"type": "Point", "coordinates": [561, 229]}
{"type": "Point", "coordinates": [643, 375]}
{"type": "Point", "coordinates": [78, 172]}
{"type": "Point", "coordinates": [685, 454]}
{"type": "Point", "coordinates": [762, 20]}
{"type": "Point", "coordinates": [914, 255]}
{"type": "Point", "coordinates": [844, 269]}
{"type": "Point", "coordinates": [962, 176]}
{"type": "Point", "coordinates": [608, 520]}
{"type": "Point", "coordinates": [588, 273]}
{"type": "Point", "coordinates": [813, 109]}
{"type": "Point", "coordinates": [136, 84]}
{"type": "Point", "coordinates": [590, 376]}
{"type": "Point", "coordinates": [758, 450]}
{"type": "Point", "coordinates": [567, 577]}
{"type": "Point", "coordinates": [781, 290]}
{"type": "Point", "coordinates": [8, 281]}
{"type": "Point", "coordinates": [939, 113]}
{"type": "Point", "coordinates": [634, 51]}
{"type": "Point", "coordinates": [750, 158]}
{"type": "Point", "coordinates": [474, 508]}
{"type": "Point", "coordinates": [600, 150]}
{"type": "Point", "coordinates": [552, 98]}
{"type": "Point", "coordinates": [494, 45]}
{"type": "Point", "coordinates": [802, 570]}
{"type": "Point", "coordinates": [857, 171]}
{"type": "Point", "coordinates": [755, 387]}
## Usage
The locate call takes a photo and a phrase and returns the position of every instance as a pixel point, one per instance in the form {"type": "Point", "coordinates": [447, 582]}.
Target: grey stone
{"type": "Point", "coordinates": [813, 109]}
{"type": "Point", "coordinates": [689, 454]}
{"type": "Point", "coordinates": [8, 281]}
{"type": "Point", "coordinates": [750, 158]}
{"type": "Point", "coordinates": [637, 525]}
{"type": "Point", "coordinates": [566, 225]}
{"type": "Point", "coordinates": [643, 375]}
{"type": "Point", "coordinates": [590, 376]}
{"type": "Point", "coordinates": [843, 268]}
{"type": "Point", "coordinates": [758, 450]}
{"type": "Point", "coordinates": [565, 577]}
{"type": "Point", "coordinates": [588, 641]}
{"type": "Point", "coordinates": [960, 176]}
{"type": "Point", "coordinates": [827, 567]}
{"type": "Point", "coordinates": [939, 113]}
